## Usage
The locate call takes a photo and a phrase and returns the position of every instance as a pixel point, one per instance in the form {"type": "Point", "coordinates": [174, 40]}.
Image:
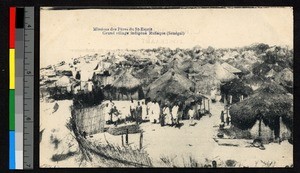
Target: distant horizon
{"type": "Point", "coordinates": [111, 50]}
{"type": "Point", "coordinates": [66, 34]}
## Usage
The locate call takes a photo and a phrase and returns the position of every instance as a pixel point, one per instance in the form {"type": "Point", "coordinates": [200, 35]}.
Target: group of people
{"type": "Point", "coordinates": [170, 115]}
{"type": "Point", "coordinates": [139, 111]}
{"type": "Point", "coordinates": [112, 114]}
{"type": "Point", "coordinates": [153, 111]}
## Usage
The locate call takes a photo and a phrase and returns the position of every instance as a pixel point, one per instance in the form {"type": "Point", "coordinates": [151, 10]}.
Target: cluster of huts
{"type": "Point", "coordinates": [260, 97]}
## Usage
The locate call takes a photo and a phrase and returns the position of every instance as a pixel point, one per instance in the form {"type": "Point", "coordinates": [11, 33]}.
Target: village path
{"type": "Point", "coordinates": [188, 141]}
{"type": "Point", "coordinates": [170, 142]}
{"type": "Point", "coordinates": [178, 144]}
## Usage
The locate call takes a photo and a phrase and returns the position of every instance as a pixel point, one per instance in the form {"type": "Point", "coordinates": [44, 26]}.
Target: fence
{"type": "Point", "coordinates": [90, 119]}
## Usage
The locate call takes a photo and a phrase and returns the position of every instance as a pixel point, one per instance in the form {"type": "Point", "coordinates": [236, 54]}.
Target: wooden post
{"type": "Point", "coordinates": [141, 140]}
{"type": "Point", "coordinates": [122, 140]}
{"type": "Point", "coordinates": [126, 136]}
{"type": "Point", "coordinates": [208, 105]}
{"type": "Point", "coordinates": [259, 128]}
{"type": "Point", "coordinates": [204, 105]}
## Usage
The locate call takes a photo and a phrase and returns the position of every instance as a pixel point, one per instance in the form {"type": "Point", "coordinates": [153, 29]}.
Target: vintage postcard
{"type": "Point", "coordinates": [166, 87]}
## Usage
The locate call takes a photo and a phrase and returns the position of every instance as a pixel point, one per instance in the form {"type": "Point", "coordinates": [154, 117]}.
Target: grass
{"type": "Point", "coordinates": [61, 157]}
{"type": "Point", "coordinates": [191, 162]}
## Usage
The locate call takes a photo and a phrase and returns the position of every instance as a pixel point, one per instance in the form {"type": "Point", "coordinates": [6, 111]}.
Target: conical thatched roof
{"type": "Point", "coordinates": [184, 65]}
{"type": "Point", "coordinates": [217, 71]}
{"type": "Point", "coordinates": [271, 73]}
{"type": "Point", "coordinates": [148, 74]}
{"type": "Point", "coordinates": [150, 71]}
{"type": "Point", "coordinates": [204, 84]}
{"type": "Point", "coordinates": [196, 66]}
{"type": "Point", "coordinates": [269, 103]}
{"type": "Point", "coordinates": [171, 87]}
{"type": "Point", "coordinates": [230, 68]}
{"type": "Point", "coordinates": [126, 81]}
{"type": "Point", "coordinates": [222, 74]}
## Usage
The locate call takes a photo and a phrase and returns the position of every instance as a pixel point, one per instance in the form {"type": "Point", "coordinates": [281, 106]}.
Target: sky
{"type": "Point", "coordinates": [65, 34]}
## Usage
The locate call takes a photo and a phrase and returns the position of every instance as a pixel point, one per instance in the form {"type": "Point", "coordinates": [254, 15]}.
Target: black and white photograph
{"type": "Point", "coordinates": [166, 87]}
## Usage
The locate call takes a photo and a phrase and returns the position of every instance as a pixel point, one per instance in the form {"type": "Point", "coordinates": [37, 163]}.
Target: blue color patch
{"type": "Point", "coordinates": [12, 158]}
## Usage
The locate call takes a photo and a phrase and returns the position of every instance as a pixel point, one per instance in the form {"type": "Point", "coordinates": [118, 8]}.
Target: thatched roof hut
{"type": "Point", "coordinates": [285, 78]}
{"type": "Point", "coordinates": [255, 81]}
{"type": "Point", "coordinates": [271, 73]}
{"type": "Point", "coordinates": [147, 73]}
{"type": "Point", "coordinates": [171, 87]}
{"type": "Point", "coordinates": [236, 88]}
{"type": "Point", "coordinates": [126, 82]}
{"type": "Point", "coordinates": [268, 104]}
{"type": "Point", "coordinates": [230, 68]}
{"type": "Point", "coordinates": [217, 71]}
{"type": "Point", "coordinates": [204, 83]}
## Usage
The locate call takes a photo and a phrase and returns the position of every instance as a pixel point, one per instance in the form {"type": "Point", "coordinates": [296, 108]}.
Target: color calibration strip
{"type": "Point", "coordinates": [21, 65]}
{"type": "Point", "coordinates": [12, 26]}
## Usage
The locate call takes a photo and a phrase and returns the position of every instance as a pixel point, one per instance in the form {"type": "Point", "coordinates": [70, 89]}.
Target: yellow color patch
{"type": "Point", "coordinates": [12, 68]}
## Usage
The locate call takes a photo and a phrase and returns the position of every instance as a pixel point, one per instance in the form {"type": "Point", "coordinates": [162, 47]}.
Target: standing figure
{"type": "Point", "coordinates": [132, 110]}
{"type": "Point", "coordinates": [155, 111]}
{"type": "Point", "coordinates": [227, 120]}
{"type": "Point", "coordinates": [222, 117]}
{"type": "Point", "coordinates": [213, 94]}
{"type": "Point", "coordinates": [150, 111]}
{"type": "Point", "coordinates": [115, 116]}
{"type": "Point", "coordinates": [197, 113]}
{"type": "Point", "coordinates": [111, 109]}
{"type": "Point", "coordinates": [107, 111]}
{"type": "Point", "coordinates": [138, 111]}
{"type": "Point", "coordinates": [175, 114]}
{"type": "Point", "coordinates": [168, 116]}
{"type": "Point", "coordinates": [144, 111]}
{"type": "Point", "coordinates": [191, 114]}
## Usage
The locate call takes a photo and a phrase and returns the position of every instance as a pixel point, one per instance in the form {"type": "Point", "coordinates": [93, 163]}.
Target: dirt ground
{"type": "Point", "coordinates": [173, 143]}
